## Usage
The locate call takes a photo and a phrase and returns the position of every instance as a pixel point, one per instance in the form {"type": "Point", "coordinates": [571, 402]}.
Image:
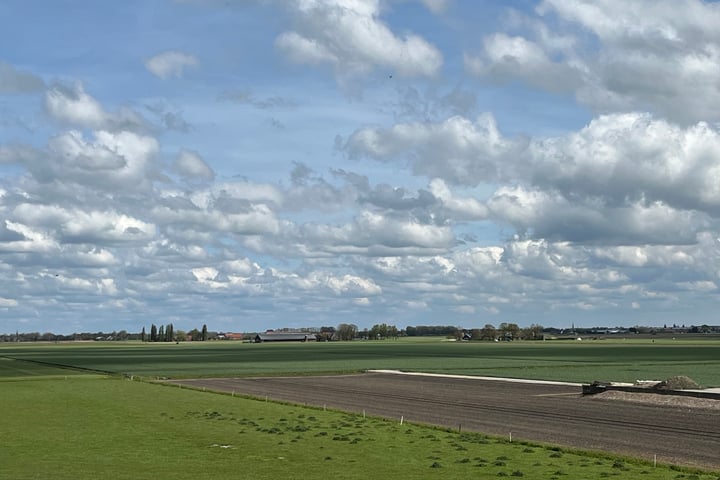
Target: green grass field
{"type": "Point", "coordinates": [87, 427]}
{"type": "Point", "coordinates": [620, 360]}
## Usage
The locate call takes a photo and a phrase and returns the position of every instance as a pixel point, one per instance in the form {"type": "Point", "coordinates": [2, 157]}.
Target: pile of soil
{"type": "Point", "coordinates": [679, 382]}
{"type": "Point", "coordinates": [660, 400]}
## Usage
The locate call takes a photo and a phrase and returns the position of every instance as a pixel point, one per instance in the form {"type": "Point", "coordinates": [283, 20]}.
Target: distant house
{"type": "Point", "coordinates": [285, 337]}
{"type": "Point", "coordinates": [230, 336]}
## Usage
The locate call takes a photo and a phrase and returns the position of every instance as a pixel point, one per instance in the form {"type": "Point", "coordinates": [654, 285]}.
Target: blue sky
{"type": "Point", "coordinates": [262, 163]}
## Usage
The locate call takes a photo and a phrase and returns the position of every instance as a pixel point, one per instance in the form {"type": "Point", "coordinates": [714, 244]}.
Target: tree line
{"type": "Point", "coordinates": [382, 331]}
{"type": "Point", "coordinates": [504, 331]}
{"type": "Point", "coordinates": [167, 333]}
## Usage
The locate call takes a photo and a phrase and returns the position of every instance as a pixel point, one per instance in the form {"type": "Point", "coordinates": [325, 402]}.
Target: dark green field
{"type": "Point", "coordinates": [618, 360]}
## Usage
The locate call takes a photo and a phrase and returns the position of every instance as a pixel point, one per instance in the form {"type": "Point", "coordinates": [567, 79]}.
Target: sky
{"type": "Point", "coordinates": [260, 164]}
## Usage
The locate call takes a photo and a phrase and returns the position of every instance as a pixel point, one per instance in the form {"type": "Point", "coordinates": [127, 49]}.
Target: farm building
{"type": "Point", "coordinates": [230, 336]}
{"type": "Point", "coordinates": [285, 337]}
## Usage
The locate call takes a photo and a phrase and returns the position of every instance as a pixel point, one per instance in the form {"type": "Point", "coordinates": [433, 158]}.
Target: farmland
{"type": "Point", "coordinates": [85, 424]}
{"type": "Point", "coordinates": [621, 360]}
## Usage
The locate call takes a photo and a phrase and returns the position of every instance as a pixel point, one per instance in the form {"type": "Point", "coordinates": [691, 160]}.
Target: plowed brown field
{"type": "Point", "coordinates": [556, 414]}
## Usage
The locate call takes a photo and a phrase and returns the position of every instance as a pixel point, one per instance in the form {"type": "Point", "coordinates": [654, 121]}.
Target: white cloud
{"type": "Point", "coordinates": [246, 220]}
{"type": "Point", "coordinates": [372, 230]}
{"type": "Point", "coordinates": [457, 150]}
{"type": "Point", "coordinates": [192, 166]}
{"type": "Point", "coordinates": [112, 161]}
{"type": "Point", "coordinates": [616, 56]}
{"type": "Point", "coordinates": [8, 302]}
{"type": "Point", "coordinates": [507, 57]}
{"type": "Point", "coordinates": [349, 35]}
{"type": "Point", "coordinates": [171, 63]}
{"type": "Point", "coordinates": [462, 208]}
{"type": "Point", "coordinates": [548, 215]}
{"type": "Point", "coordinates": [31, 240]}
{"type": "Point", "coordinates": [634, 156]}
{"type": "Point", "coordinates": [624, 178]}
{"type": "Point", "coordinates": [74, 106]}
{"type": "Point", "coordinates": [78, 226]}
{"type": "Point", "coordinates": [352, 284]}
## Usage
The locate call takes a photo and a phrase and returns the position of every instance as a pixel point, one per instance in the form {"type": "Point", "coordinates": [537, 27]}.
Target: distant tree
{"type": "Point", "coordinates": [488, 332]}
{"type": "Point", "coordinates": [194, 335]}
{"type": "Point", "coordinates": [180, 336]}
{"type": "Point", "coordinates": [326, 334]}
{"type": "Point", "coordinates": [142, 335]}
{"type": "Point", "coordinates": [169, 334]}
{"type": "Point", "coordinates": [378, 331]}
{"type": "Point", "coordinates": [431, 330]}
{"type": "Point", "coordinates": [509, 331]}
{"type": "Point", "coordinates": [161, 334]}
{"type": "Point", "coordinates": [346, 331]}
{"type": "Point", "coordinates": [153, 333]}
{"type": "Point", "coordinates": [392, 331]}
{"type": "Point", "coordinates": [204, 333]}
{"type": "Point", "coordinates": [533, 332]}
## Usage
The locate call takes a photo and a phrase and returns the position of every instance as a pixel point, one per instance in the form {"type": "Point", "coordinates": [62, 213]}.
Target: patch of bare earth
{"type": "Point", "coordinates": [659, 399]}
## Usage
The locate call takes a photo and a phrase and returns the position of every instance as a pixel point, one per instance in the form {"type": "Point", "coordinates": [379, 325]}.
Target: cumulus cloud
{"type": "Point", "coordinates": [191, 165]}
{"type": "Point", "coordinates": [464, 208]}
{"type": "Point", "coordinates": [110, 161]}
{"type": "Point", "coordinates": [546, 215]}
{"type": "Point", "coordinates": [508, 58]}
{"type": "Point", "coordinates": [72, 105]}
{"type": "Point", "coordinates": [350, 36]}
{"type": "Point", "coordinates": [78, 226]}
{"type": "Point", "coordinates": [171, 63]}
{"type": "Point", "coordinates": [458, 150]}
{"type": "Point", "coordinates": [635, 157]}
{"type": "Point", "coordinates": [374, 233]}
{"type": "Point", "coordinates": [616, 56]}
{"type": "Point", "coordinates": [623, 178]}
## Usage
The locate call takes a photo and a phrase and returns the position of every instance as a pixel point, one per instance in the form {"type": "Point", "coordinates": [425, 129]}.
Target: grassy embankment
{"type": "Point", "coordinates": [64, 425]}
